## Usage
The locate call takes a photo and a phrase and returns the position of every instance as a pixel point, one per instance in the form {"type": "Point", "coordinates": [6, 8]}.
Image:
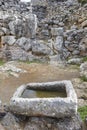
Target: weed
{"type": "Point", "coordinates": [84, 78]}
{"type": "Point", "coordinates": [84, 59]}
{"type": "Point", "coordinates": [1, 62]}
{"type": "Point", "coordinates": [83, 112]}
{"type": "Point", "coordinates": [82, 1]}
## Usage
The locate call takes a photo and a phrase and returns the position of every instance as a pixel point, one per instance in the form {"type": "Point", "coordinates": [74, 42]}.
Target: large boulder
{"type": "Point", "coordinates": [24, 43]}
{"type": "Point", "coordinates": [25, 27]}
{"type": "Point", "coordinates": [40, 48]}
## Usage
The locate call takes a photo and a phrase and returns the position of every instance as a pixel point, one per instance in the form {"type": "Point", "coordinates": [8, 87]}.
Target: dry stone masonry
{"type": "Point", "coordinates": [42, 30]}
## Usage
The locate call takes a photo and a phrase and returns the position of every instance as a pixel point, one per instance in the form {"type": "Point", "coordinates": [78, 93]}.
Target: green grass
{"type": "Point", "coordinates": [1, 62]}
{"type": "Point", "coordinates": [83, 112]}
{"type": "Point", "coordinates": [84, 59]}
{"type": "Point", "coordinates": [84, 78]}
{"type": "Point", "coordinates": [82, 1]}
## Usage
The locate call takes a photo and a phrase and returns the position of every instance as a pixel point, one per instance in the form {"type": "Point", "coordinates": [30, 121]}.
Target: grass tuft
{"type": "Point", "coordinates": [83, 112]}
{"type": "Point", "coordinates": [84, 59]}
{"type": "Point", "coordinates": [84, 78]}
{"type": "Point", "coordinates": [1, 62]}
{"type": "Point", "coordinates": [82, 1]}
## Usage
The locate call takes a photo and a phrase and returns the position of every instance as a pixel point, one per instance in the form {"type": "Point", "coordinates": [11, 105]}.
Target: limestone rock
{"type": "Point", "coordinates": [9, 122]}
{"type": "Point", "coordinates": [56, 59]}
{"type": "Point", "coordinates": [83, 69]}
{"type": "Point", "coordinates": [1, 32]}
{"type": "Point", "coordinates": [83, 66]}
{"type": "Point", "coordinates": [75, 61]}
{"type": "Point", "coordinates": [58, 44]}
{"type": "Point", "coordinates": [40, 48]}
{"type": "Point", "coordinates": [73, 123]}
{"type": "Point", "coordinates": [6, 31]}
{"type": "Point", "coordinates": [84, 24]}
{"type": "Point", "coordinates": [83, 46]}
{"type": "Point", "coordinates": [24, 43]}
{"type": "Point", "coordinates": [9, 40]}
{"type": "Point", "coordinates": [57, 31]}
{"type": "Point", "coordinates": [24, 27]}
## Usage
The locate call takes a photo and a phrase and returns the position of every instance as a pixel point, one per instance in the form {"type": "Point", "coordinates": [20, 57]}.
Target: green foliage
{"type": "Point", "coordinates": [84, 59]}
{"type": "Point", "coordinates": [84, 78]}
{"type": "Point", "coordinates": [82, 1]}
{"type": "Point", "coordinates": [1, 62]}
{"type": "Point", "coordinates": [83, 112]}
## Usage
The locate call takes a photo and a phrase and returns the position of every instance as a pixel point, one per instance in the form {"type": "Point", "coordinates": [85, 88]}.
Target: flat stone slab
{"type": "Point", "coordinates": [57, 107]}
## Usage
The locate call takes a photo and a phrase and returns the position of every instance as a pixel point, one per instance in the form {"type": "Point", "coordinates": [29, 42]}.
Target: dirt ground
{"type": "Point", "coordinates": [34, 73]}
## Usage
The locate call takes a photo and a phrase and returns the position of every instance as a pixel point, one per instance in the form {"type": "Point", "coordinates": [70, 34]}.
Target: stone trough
{"type": "Point", "coordinates": [51, 106]}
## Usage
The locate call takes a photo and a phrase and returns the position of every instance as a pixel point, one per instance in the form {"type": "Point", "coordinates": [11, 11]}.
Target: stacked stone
{"type": "Point", "coordinates": [17, 22]}
{"type": "Point", "coordinates": [72, 18]}
{"type": "Point", "coordinates": [17, 28]}
{"type": "Point", "coordinates": [15, 5]}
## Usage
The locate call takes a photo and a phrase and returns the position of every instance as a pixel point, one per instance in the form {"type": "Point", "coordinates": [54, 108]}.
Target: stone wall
{"type": "Point", "coordinates": [15, 5]}
{"type": "Point", "coordinates": [65, 15]}
{"type": "Point", "coordinates": [18, 29]}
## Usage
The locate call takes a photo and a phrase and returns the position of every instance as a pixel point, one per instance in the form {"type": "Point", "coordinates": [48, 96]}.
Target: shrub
{"type": "Point", "coordinates": [82, 1]}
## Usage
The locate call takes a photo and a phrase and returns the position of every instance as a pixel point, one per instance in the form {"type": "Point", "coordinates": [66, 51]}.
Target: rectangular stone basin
{"type": "Point", "coordinates": [42, 93]}
{"type": "Point", "coordinates": [52, 99]}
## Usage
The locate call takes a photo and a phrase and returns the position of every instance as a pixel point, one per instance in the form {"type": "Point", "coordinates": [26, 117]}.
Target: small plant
{"type": "Point", "coordinates": [82, 1]}
{"type": "Point", "coordinates": [83, 112]}
{"type": "Point", "coordinates": [1, 62]}
{"type": "Point", "coordinates": [84, 59]}
{"type": "Point", "coordinates": [84, 78]}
